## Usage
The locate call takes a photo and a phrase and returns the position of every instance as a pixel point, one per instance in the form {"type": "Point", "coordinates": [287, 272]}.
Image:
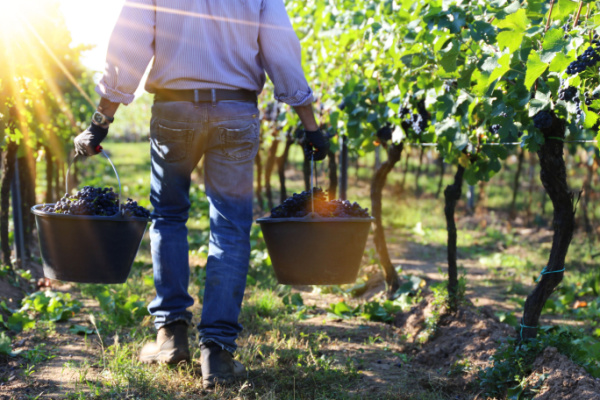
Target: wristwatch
{"type": "Point", "coordinates": [100, 119]}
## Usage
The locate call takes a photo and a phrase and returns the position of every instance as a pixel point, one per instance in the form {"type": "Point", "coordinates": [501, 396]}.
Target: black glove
{"type": "Point", "coordinates": [316, 145]}
{"type": "Point", "coordinates": [87, 143]}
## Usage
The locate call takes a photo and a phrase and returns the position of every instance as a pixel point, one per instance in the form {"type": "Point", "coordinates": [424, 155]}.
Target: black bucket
{"type": "Point", "coordinates": [315, 250]}
{"type": "Point", "coordinates": [88, 249]}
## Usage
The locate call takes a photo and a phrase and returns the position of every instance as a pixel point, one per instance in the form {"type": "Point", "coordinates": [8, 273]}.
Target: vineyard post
{"type": "Point", "coordinates": [344, 167]}
{"type": "Point", "coordinates": [282, 163]}
{"type": "Point", "coordinates": [49, 175]}
{"type": "Point", "coordinates": [442, 165]}
{"type": "Point", "coordinates": [333, 178]}
{"type": "Point", "coordinates": [418, 173]}
{"type": "Point", "coordinates": [18, 225]}
{"type": "Point", "coordinates": [513, 203]}
{"type": "Point", "coordinates": [258, 191]}
{"type": "Point", "coordinates": [471, 198]}
{"type": "Point", "coordinates": [8, 165]}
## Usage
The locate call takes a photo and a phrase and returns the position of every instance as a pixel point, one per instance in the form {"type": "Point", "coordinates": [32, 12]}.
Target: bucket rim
{"type": "Point", "coordinates": [312, 219]}
{"type": "Point", "coordinates": [36, 209]}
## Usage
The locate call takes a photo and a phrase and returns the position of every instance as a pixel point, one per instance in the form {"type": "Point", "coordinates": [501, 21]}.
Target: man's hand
{"type": "Point", "coordinates": [87, 142]}
{"type": "Point", "coordinates": [316, 145]}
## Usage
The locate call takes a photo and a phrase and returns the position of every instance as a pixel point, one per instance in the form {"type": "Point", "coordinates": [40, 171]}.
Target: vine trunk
{"type": "Point", "coordinates": [452, 194]}
{"type": "Point", "coordinates": [554, 178]}
{"type": "Point", "coordinates": [392, 280]}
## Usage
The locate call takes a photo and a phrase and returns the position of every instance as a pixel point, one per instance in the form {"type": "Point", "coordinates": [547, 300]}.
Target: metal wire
{"type": "Point", "coordinates": [499, 144]}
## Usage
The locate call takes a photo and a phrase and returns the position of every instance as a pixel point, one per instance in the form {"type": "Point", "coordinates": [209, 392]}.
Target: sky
{"type": "Point", "coordinates": [91, 22]}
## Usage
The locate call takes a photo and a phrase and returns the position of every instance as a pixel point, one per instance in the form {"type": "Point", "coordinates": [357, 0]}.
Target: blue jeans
{"type": "Point", "coordinates": [226, 134]}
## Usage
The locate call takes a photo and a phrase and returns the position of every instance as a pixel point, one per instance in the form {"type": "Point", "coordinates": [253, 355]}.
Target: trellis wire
{"type": "Point", "coordinates": [499, 144]}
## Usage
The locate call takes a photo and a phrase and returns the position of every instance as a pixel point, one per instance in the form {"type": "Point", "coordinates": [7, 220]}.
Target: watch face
{"type": "Point", "coordinates": [98, 118]}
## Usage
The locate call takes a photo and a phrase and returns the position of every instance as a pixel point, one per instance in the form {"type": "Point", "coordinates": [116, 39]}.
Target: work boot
{"type": "Point", "coordinates": [218, 366]}
{"type": "Point", "coordinates": [171, 345]}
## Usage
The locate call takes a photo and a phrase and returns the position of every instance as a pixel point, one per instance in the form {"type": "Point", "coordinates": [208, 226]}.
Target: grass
{"type": "Point", "coordinates": [287, 357]}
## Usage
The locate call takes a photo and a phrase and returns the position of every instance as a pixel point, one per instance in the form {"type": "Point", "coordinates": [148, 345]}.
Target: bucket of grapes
{"type": "Point", "coordinates": [90, 236]}
{"type": "Point", "coordinates": [313, 241]}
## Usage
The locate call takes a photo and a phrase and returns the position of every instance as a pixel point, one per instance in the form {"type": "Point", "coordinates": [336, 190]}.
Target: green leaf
{"type": "Point", "coordinates": [554, 41]}
{"type": "Point", "coordinates": [591, 118]}
{"type": "Point", "coordinates": [20, 322]}
{"type": "Point", "coordinates": [517, 21]}
{"type": "Point", "coordinates": [5, 344]}
{"type": "Point", "coordinates": [559, 63]}
{"type": "Point", "coordinates": [514, 393]}
{"type": "Point", "coordinates": [81, 330]}
{"type": "Point", "coordinates": [510, 40]}
{"type": "Point", "coordinates": [535, 68]}
{"type": "Point", "coordinates": [512, 27]}
{"type": "Point", "coordinates": [503, 67]}
{"type": "Point", "coordinates": [449, 55]}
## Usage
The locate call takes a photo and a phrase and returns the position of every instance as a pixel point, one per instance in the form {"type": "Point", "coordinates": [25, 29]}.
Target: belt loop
{"type": "Point", "coordinates": [214, 97]}
{"type": "Point", "coordinates": [196, 96]}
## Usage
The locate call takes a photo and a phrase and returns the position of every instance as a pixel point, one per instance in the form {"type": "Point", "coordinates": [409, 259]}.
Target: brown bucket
{"type": "Point", "coordinates": [315, 250]}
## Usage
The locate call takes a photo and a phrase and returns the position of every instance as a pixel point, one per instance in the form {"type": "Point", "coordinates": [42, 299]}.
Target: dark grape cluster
{"type": "Point", "coordinates": [565, 27]}
{"type": "Point", "coordinates": [92, 200]}
{"type": "Point", "coordinates": [567, 94]}
{"type": "Point", "coordinates": [132, 209]}
{"type": "Point", "coordinates": [417, 121]}
{"type": "Point", "coordinates": [385, 133]}
{"type": "Point", "coordinates": [589, 58]}
{"type": "Point", "coordinates": [300, 205]}
{"type": "Point", "coordinates": [542, 120]}
{"type": "Point", "coordinates": [449, 85]}
{"type": "Point", "coordinates": [494, 129]}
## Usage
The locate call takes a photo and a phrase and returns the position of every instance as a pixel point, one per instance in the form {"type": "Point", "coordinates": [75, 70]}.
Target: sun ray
{"type": "Point", "coordinates": [204, 16]}
{"type": "Point", "coordinates": [59, 63]}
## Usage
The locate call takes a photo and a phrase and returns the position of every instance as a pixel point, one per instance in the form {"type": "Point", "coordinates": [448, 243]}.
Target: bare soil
{"type": "Point", "coordinates": [393, 361]}
{"type": "Point", "coordinates": [562, 378]}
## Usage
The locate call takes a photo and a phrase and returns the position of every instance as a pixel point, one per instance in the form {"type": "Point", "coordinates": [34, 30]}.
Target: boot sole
{"type": "Point", "coordinates": [166, 357]}
{"type": "Point", "coordinates": [211, 381]}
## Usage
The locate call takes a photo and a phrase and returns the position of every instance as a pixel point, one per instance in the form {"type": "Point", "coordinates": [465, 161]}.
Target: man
{"type": "Point", "coordinates": [210, 58]}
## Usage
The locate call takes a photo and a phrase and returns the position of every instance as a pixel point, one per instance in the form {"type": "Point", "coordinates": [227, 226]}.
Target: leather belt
{"type": "Point", "coordinates": [204, 95]}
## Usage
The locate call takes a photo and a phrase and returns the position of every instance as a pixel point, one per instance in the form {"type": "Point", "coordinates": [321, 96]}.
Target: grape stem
{"type": "Point", "coordinates": [549, 16]}
{"type": "Point", "coordinates": [578, 14]}
{"type": "Point", "coordinates": [545, 30]}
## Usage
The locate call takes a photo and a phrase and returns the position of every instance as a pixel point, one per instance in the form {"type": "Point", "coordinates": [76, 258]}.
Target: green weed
{"type": "Point", "coordinates": [512, 363]}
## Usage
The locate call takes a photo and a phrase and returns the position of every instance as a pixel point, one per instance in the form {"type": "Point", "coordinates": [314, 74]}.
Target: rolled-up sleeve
{"type": "Point", "coordinates": [281, 55]}
{"type": "Point", "coordinates": [130, 49]}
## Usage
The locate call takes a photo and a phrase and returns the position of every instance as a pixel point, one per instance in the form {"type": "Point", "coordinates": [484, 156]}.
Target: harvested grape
{"type": "Point", "coordinates": [301, 204]}
{"type": "Point", "coordinates": [92, 200]}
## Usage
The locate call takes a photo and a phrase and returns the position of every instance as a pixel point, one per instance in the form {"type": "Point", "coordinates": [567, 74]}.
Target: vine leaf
{"type": "Point", "coordinates": [591, 118]}
{"type": "Point", "coordinates": [503, 67]}
{"type": "Point", "coordinates": [514, 25]}
{"type": "Point", "coordinates": [535, 68]}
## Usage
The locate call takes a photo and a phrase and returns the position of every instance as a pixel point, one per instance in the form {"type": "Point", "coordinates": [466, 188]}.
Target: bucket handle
{"type": "Point", "coordinates": [113, 167]}
{"type": "Point", "coordinates": [313, 182]}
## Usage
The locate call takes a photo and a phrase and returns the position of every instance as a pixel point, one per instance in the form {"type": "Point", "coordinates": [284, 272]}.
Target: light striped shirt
{"type": "Point", "coordinates": [204, 44]}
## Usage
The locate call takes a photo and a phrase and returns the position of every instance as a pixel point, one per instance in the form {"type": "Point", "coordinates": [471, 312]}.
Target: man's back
{"type": "Point", "coordinates": [206, 44]}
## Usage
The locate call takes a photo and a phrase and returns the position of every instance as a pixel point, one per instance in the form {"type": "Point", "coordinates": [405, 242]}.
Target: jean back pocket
{"type": "Point", "coordinates": [171, 144]}
{"type": "Point", "coordinates": [239, 144]}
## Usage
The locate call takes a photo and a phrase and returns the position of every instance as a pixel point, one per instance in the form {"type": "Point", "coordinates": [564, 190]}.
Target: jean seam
{"type": "Point", "coordinates": [224, 347]}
